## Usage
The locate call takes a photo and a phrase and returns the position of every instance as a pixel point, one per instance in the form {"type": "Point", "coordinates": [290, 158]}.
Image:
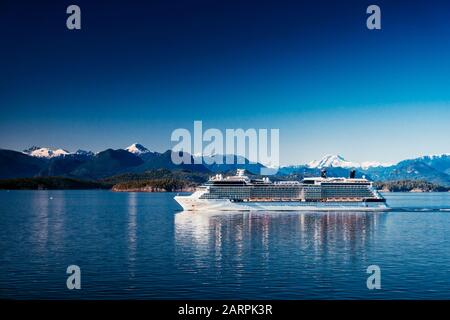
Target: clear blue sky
{"type": "Point", "coordinates": [136, 71]}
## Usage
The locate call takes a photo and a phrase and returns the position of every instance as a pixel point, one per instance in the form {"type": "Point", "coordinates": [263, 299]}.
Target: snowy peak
{"type": "Point", "coordinates": [60, 152]}
{"type": "Point", "coordinates": [45, 152]}
{"type": "Point", "coordinates": [137, 149]}
{"type": "Point", "coordinates": [336, 161]}
{"type": "Point", "coordinates": [332, 161]}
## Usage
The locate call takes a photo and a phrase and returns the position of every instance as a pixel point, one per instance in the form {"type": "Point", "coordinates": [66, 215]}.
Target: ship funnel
{"type": "Point", "coordinates": [323, 173]}
{"type": "Point", "coordinates": [352, 174]}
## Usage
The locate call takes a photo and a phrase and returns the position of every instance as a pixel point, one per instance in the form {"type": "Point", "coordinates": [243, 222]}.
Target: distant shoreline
{"type": "Point", "coordinates": [172, 183]}
{"type": "Point", "coordinates": [169, 191]}
{"type": "Point", "coordinates": [412, 191]}
{"type": "Point", "coordinates": [151, 190]}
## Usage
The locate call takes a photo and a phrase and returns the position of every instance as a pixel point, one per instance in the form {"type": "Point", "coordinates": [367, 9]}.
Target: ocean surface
{"type": "Point", "coordinates": [139, 246]}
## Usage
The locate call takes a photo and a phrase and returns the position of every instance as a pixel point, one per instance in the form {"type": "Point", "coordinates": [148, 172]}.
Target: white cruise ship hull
{"type": "Point", "coordinates": [189, 203]}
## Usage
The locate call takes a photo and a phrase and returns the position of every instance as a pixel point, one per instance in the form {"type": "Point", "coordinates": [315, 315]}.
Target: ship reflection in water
{"type": "Point", "coordinates": [320, 231]}
{"type": "Point", "coordinates": [277, 251]}
{"type": "Point", "coordinates": [135, 246]}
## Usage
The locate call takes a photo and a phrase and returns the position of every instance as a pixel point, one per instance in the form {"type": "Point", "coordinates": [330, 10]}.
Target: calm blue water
{"type": "Point", "coordinates": [137, 246]}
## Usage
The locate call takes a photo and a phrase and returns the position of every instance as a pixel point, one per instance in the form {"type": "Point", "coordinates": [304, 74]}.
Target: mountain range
{"type": "Point", "coordinates": [136, 159]}
{"type": "Point", "coordinates": [434, 169]}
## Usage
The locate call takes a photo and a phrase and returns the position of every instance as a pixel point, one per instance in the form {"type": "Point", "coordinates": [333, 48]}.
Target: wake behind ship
{"type": "Point", "coordinates": [240, 193]}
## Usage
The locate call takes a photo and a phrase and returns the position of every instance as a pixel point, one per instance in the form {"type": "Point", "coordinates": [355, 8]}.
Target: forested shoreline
{"type": "Point", "coordinates": [162, 180]}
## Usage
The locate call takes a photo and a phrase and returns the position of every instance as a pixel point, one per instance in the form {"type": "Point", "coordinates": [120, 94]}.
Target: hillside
{"type": "Point", "coordinates": [185, 175]}
{"type": "Point", "coordinates": [136, 162]}
{"type": "Point", "coordinates": [155, 185]}
{"type": "Point", "coordinates": [15, 164]}
{"type": "Point", "coordinates": [409, 185]}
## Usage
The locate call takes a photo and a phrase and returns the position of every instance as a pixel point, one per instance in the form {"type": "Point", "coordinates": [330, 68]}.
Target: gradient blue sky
{"type": "Point", "coordinates": [138, 70]}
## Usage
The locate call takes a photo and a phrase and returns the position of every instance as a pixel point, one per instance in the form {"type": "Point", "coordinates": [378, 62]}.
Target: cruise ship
{"type": "Point", "coordinates": [240, 193]}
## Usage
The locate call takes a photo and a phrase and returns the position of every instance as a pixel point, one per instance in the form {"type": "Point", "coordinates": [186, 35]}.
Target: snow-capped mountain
{"type": "Point", "coordinates": [49, 153]}
{"type": "Point", "coordinates": [137, 149]}
{"type": "Point", "coordinates": [439, 162]}
{"type": "Point", "coordinates": [45, 152]}
{"type": "Point", "coordinates": [336, 161]}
